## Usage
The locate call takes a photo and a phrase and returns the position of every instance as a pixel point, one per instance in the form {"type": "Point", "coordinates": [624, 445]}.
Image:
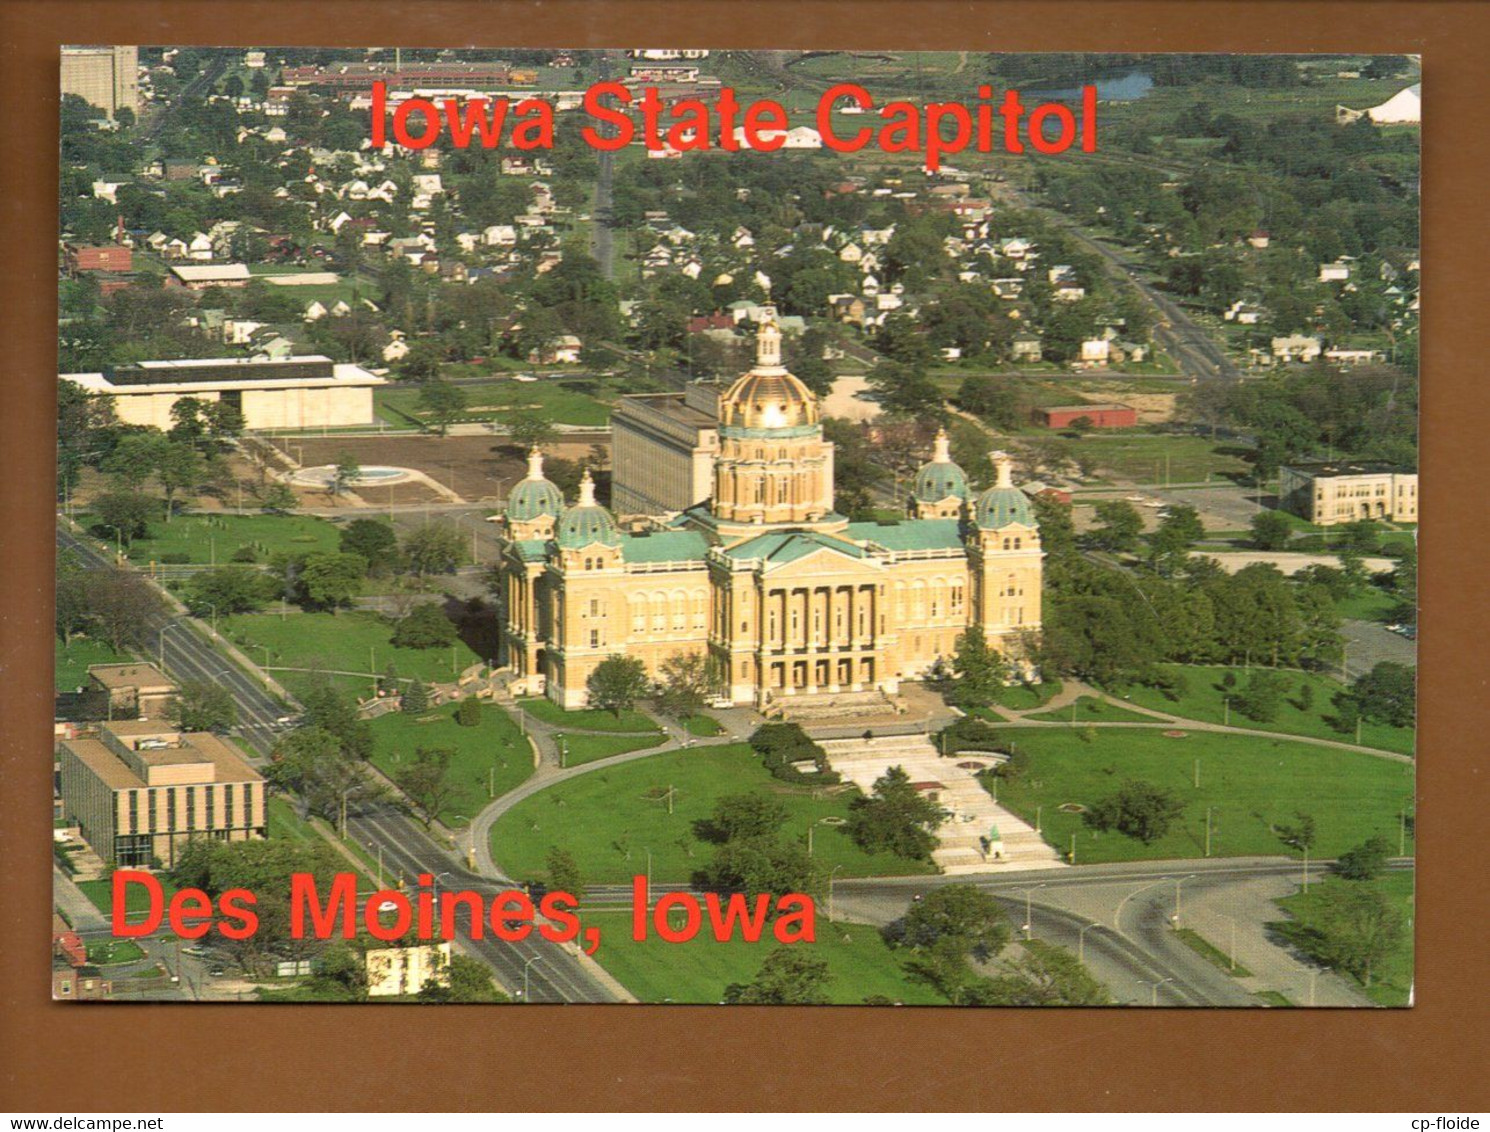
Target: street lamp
{"type": "Point", "coordinates": [1154, 989]}
{"type": "Point", "coordinates": [831, 875]}
{"type": "Point", "coordinates": [526, 965]}
{"type": "Point", "coordinates": [1028, 910]}
{"type": "Point", "coordinates": [1081, 940]}
{"type": "Point", "coordinates": [1177, 882]}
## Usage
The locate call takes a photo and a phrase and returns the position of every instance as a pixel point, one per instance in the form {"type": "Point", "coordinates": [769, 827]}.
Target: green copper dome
{"type": "Point", "coordinates": [940, 478]}
{"type": "Point", "coordinates": [534, 496]}
{"type": "Point", "coordinates": [587, 523]}
{"type": "Point", "coordinates": [1001, 507]}
{"type": "Point", "coordinates": [1003, 504]}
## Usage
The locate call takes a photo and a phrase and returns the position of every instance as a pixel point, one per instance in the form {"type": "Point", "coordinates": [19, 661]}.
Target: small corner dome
{"type": "Point", "coordinates": [534, 496]}
{"type": "Point", "coordinates": [1003, 504]}
{"type": "Point", "coordinates": [587, 523]}
{"type": "Point", "coordinates": [940, 478]}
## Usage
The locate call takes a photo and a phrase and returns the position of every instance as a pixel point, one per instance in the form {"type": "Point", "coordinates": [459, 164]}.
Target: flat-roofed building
{"type": "Point", "coordinates": [140, 791]}
{"type": "Point", "coordinates": [1343, 491]}
{"type": "Point", "coordinates": [663, 447]}
{"type": "Point", "coordinates": [106, 77]}
{"type": "Point", "coordinates": [301, 391]}
{"type": "Point", "coordinates": [134, 689]}
{"type": "Point", "coordinates": [1101, 416]}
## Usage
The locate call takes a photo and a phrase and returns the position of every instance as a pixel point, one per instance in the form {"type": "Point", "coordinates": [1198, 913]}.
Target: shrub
{"type": "Point", "coordinates": [782, 744]}
{"type": "Point", "coordinates": [245, 554]}
{"type": "Point", "coordinates": [468, 714]}
{"type": "Point", "coordinates": [415, 699]}
{"type": "Point", "coordinates": [426, 627]}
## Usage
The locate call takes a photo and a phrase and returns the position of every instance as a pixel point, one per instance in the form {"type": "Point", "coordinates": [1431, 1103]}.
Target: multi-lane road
{"type": "Point", "coordinates": [547, 971]}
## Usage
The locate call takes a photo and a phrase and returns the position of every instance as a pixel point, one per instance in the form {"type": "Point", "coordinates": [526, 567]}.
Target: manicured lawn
{"type": "Point", "coordinates": [213, 538]}
{"type": "Point", "coordinates": [355, 641]}
{"type": "Point", "coordinates": [1205, 696]}
{"type": "Point", "coordinates": [610, 818]}
{"type": "Point", "coordinates": [111, 952]}
{"type": "Point", "coordinates": [1247, 783]}
{"type": "Point", "coordinates": [588, 720]}
{"type": "Point", "coordinates": [704, 726]}
{"type": "Point", "coordinates": [73, 661]}
{"type": "Point", "coordinates": [1024, 697]}
{"type": "Point", "coordinates": [859, 962]}
{"type": "Point", "coordinates": [580, 748]}
{"type": "Point", "coordinates": [286, 824]}
{"type": "Point", "coordinates": [1391, 980]}
{"type": "Point", "coordinates": [492, 757]}
{"type": "Point", "coordinates": [1142, 458]}
{"type": "Point", "coordinates": [1088, 709]}
{"type": "Point", "coordinates": [137, 900]}
{"type": "Point", "coordinates": [1369, 604]}
{"type": "Point", "coordinates": [556, 398]}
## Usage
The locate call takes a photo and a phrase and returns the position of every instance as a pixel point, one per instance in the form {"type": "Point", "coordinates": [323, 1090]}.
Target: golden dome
{"type": "Point", "coordinates": [768, 397]}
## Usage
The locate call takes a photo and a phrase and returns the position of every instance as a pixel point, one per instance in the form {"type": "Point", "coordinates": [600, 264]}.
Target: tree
{"type": "Point", "coordinates": [1043, 975]}
{"type": "Point", "coordinates": [123, 607]}
{"type": "Point", "coordinates": [468, 712]}
{"type": "Point", "coordinates": [426, 627]}
{"type": "Point", "coordinates": [330, 578]}
{"type": "Point", "coordinates": [1262, 696]}
{"type": "Point", "coordinates": [686, 681]}
{"type": "Point", "coordinates": [434, 548]}
{"type": "Point", "coordinates": [1119, 525]}
{"type": "Point", "coordinates": [126, 514]}
{"type": "Point", "coordinates": [426, 782]}
{"type": "Point", "coordinates": [1177, 532]}
{"type": "Point", "coordinates": [1271, 530]}
{"type": "Point", "coordinates": [229, 589]}
{"type": "Point", "coordinates": [313, 762]}
{"type": "Point", "coordinates": [278, 499]}
{"type": "Point", "coordinates": [1356, 929]}
{"type": "Point", "coordinates": [464, 980]}
{"type": "Point", "coordinates": [200, 705]}
{"type": "Point", "coordinates": [1366, 861]}
{"type": "Point", "coordinates": [325, 706]}
{"type": "Point", "coordinates": [979, 671]}
{"type": "Point", "coordinates": [415, 699]}
{"type": "Point", "coordinates": [755, 865]}
{"type": "Point", "coordinates": [617, 683]}
{"type": "Point", "coordinates": [375, 542]}
{"type": "Point", "coordinates": [1139, 809]}
{"type": "Point", "coordinates": [529, 431]}
{"type": "Point", "coordinates": [563, 873]}
{"type": "Point", "coordinates": [789, 976]}
{"type": "Point", "coordinates": [1387, 694]}
{"type": "Point", "coordinates": [443, 403]}
{"type": "Point", "coordinates": [960, 912]}
{"type": "Point", "coordinates": [740, 817]}
{"type": "Point", "coordinates": [1299, 836]}
{"type": "Point", "coordinates": [895, 817]}
{"type": "Point", "coordinates": [347, 471]}
{"type": "Point", "coordinates": [178, 466]}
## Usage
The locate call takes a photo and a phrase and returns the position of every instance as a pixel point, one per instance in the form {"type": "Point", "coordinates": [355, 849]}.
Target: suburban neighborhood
{"type": "Point", "coordinates": [1017, 560]}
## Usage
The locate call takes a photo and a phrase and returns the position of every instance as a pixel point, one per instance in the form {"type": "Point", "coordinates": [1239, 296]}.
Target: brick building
{"type": "Point", "coordinates": [1112, 415]}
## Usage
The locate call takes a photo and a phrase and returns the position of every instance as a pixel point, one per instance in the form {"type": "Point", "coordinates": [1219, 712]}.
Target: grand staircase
{"type": "Point", "coordinates": [979, 835]}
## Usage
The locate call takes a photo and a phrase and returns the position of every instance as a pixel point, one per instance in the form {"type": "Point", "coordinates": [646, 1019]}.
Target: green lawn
{"type": "Point", "coordinates": [704, 726]}
{"type": "Point", "coordinates": [355, 641]}
{"type": "Point", "coordinates": [859, 962]}
{"type": "Point", "coordinates": [1024, 697]}
{"type": "Point", "coordinates": [137, 901]}
{"type": "Point", "coordinates": [588, 720]}
{"type": "Point", "coordinates": [1142, 458]}
{"type": "Point", "coordinates": [1089, 709]}
{"type": "Point", "coordinates": [73, 661]}
{"type": "Point", "coordinates": [1205, 696]}
{"type": "Point", "coordinates": [556, 398]}
{"type": "Point", "coordinates": [1247, 783]}
{"type": "Point", "coordinates": [581, 748]}
{"type": "Point", "coordinates": [204, 539]}
{"type": "Point", "coordinates": [1368, 604]}
{"type": "Point", "coordinates": [286, 824]}
{"type": "Point", "coordinates": [610, 818]}
{"type": "Point", "coordinates": [1391, 981]}
{"type": "Point", "coordinates": [489, 760]}
{"type": "Point", "coordinates": [111, 952]}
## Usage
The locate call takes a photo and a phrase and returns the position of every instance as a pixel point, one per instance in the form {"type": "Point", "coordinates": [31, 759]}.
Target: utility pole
{"type": "Point", "coordinates": [1208, 831]}
{"type": "Point", "coordinates": [1197, 774]}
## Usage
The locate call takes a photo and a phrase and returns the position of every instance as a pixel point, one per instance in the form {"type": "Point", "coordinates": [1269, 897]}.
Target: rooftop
{"type": "Point", "coordinates": [909, 534]}
{"type": "Point", "coordinates": [1350, 468]}
{"type": "Point", "coordinates": [664, 546]}
{"type": "Point", "coordinates": [135, 675]}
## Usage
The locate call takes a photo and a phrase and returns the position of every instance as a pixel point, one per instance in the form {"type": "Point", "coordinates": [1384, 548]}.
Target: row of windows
{"type": "Point", "coordinates": [148, 822]}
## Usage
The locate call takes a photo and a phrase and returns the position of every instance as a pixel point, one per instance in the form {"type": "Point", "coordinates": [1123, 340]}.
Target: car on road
{"type": "Point", "coordinates": [217, 972]}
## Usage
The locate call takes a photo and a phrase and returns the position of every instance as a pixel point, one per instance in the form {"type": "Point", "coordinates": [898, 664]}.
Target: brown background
{"type": "Point", "coordinates": [69, 1058]}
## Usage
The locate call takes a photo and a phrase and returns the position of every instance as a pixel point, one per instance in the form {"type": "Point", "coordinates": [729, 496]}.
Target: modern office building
{"type": "Point", "coordinates": [141, 791]}
{"type": "Point", "coordinates": [106, 77]}
{"type": "Point", "coordinates": [300, 392]}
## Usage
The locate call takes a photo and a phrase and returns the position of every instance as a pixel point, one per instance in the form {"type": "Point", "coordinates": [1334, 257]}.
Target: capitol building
{"type": "Point", "coordinates": [790, 600]}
